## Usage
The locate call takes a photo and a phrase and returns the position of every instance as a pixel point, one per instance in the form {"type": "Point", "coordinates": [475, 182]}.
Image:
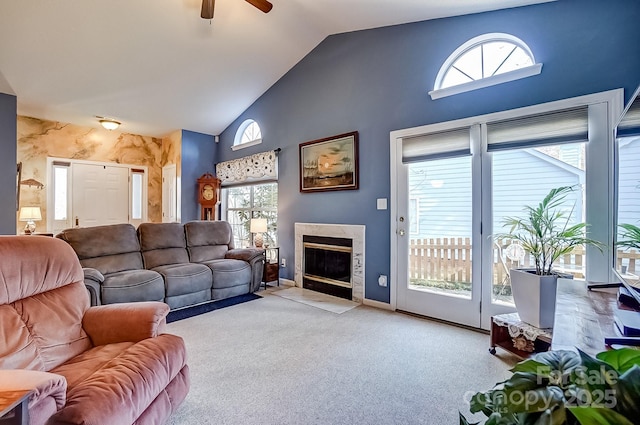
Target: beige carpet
{"type": "Point", "coordinates": [273, 361]}
{"type": "Point", "coordinates": [316, 299]}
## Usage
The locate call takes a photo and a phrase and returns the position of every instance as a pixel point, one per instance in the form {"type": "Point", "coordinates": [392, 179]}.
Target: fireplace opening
{"type": "Point", "coordinates": [327, 265]}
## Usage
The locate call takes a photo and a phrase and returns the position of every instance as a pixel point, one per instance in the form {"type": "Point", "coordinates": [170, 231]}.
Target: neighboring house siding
{"type": "Point", "coordinates": [629, 186]}
{"type": "Point", "coordinates": [519, 178]}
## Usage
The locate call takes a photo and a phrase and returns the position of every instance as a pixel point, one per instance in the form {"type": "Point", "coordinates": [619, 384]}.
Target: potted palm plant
{"type": "Point", "coordinates": [544, 232]}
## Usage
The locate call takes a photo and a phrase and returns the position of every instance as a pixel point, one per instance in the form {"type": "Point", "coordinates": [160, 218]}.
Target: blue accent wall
{"type": "Point", "coordinates": [376, 81]}
{"type": "Point", "coordinates": [8, 147]}
{"type": "Point", "coordinates": [197, 159]}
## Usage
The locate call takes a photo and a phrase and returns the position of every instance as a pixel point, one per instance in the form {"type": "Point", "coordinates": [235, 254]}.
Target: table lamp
{"type": "Point", "coordinates": [30, 215]}
{"type": "Point", "coordinates": [258, 226]}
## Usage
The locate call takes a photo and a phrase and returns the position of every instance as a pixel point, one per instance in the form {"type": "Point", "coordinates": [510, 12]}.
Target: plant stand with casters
{"type": "Point", "coordinates": [517, 337]}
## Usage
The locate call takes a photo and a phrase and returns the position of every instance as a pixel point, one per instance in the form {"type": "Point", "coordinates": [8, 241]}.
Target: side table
{"type": "Point", "coordinates": [517, 337]}
{"type": "Point", "coordinates": [14, 407]}
{"type": "Point", "coordinates": [271, 266]}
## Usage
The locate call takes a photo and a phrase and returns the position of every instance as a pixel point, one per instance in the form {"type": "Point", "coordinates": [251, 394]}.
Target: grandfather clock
{"type": "Point", "coordinates": [208, 196]}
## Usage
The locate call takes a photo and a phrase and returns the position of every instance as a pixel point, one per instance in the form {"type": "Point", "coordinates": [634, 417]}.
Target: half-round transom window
{"type": "Point", "coordinates": [248, 134]}
{"type": "Point", "coordinates": [485, 61]}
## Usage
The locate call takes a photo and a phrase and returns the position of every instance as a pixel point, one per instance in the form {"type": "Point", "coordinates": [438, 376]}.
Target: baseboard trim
{"type": "Point", "coordinates": [378, 304]}
{"type": "Point", "coordinates": [287, 282]}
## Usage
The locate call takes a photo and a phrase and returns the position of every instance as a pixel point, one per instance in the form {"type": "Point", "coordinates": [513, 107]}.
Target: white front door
{"type": "Point", "coordinates": [100, 194]}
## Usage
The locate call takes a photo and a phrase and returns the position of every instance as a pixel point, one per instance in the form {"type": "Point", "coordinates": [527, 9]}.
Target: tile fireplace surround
{"type": "Point", "coordinates": [354, 232]}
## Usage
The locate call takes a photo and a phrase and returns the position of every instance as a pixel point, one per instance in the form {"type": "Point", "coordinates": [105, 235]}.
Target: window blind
{"type": "Point", "coordinates": [630, 123]}
{"type": "Point", "coordinates": [568, 126]}
{"type": "Point", "coordinates": [440, 145]}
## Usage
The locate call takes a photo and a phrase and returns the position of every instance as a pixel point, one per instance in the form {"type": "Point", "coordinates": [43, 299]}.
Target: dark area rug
{"type": "Point", "coordinates": [186, 312]}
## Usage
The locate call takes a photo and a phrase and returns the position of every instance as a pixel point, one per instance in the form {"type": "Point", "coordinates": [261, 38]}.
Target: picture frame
{"type": "Point", "coordinates": [329, 164]}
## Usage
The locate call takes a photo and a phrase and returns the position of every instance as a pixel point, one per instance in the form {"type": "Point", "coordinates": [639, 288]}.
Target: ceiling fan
{"type": "Point", "coordinates": [207, 7]}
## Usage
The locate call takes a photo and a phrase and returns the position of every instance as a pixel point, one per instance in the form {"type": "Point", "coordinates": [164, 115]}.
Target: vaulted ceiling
{"type": "Point", "coordinates": [156, 66]}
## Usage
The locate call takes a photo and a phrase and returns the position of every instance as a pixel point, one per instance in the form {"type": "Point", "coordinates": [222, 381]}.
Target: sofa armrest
{"type": "Point", "coordinates": [249, 255]}
{"type": "Point", "coordinates": [43, 385]}
{"type": "Point", "coordinates": [93, 280]}
{"type": "Point", "coordinates": [122, 322]}
{"type": "Point", "coordinates": [255, 257]}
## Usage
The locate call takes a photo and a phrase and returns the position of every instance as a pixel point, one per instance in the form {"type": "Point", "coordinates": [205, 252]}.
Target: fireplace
{"type": "Point", "coordinates": [327, 265]}
{"type": "Point", "coordinates": [329, 258]}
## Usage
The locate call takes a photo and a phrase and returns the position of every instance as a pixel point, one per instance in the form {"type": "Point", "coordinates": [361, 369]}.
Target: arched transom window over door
{"type": "Point", "coordinates": [485, 61]}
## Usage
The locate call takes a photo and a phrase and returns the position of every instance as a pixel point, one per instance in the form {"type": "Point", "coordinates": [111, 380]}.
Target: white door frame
{"type": "Point", "coordinates": [599, 178]}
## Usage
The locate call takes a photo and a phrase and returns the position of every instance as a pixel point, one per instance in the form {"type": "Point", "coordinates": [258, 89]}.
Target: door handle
{"type": "Point", "coordinates": [401, 232]}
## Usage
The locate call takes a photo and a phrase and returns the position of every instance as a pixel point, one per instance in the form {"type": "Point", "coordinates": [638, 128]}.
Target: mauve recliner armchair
{"type": "Point", "coordinates": [102, 365]}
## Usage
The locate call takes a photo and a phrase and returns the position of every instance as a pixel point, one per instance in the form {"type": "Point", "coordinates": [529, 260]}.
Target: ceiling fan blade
{"type": "Point", "coordinates": [263, 5]}
{"type": "Point", "coordinates": [207, 9]}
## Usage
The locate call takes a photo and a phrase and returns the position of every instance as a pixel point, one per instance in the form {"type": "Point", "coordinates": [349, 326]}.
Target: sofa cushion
{"type": "Point", "coordinates": [208, 240]}
{"type": "Point", "coordinates": [162, 244]}
{"type": "Point", "coordinates": [132, 285]}
{"type": "Point", "coordinates": [109, 249]}
{"type": "Point", "coordinates": [111, 385]}
{"type": "Point", "coordinates": [227, 273]}
{"type": "Point", "coordinates": [180, 279]}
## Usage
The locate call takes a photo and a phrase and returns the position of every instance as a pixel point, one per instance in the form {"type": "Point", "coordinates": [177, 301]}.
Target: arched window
{"type": "Point", "coordinates": [248, 134]}
{"type": "Point", "coordinates": [485, 61]}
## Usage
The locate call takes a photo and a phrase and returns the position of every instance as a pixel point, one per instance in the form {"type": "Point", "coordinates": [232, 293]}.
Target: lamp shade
{"type": "Point", "coordinates": [30, 214]}
{"type": "Point", "coordinates": [258, 225]}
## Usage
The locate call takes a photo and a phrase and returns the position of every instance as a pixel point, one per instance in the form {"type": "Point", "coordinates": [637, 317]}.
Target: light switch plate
{"type": "Point", "coordinates": [381, 203]}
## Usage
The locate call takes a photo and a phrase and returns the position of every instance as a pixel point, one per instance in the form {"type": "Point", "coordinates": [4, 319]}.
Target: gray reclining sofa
{"type": "Point", "coordinates": [180, 265]}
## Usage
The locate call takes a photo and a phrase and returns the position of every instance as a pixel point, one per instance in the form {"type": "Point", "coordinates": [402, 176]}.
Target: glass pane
{"type": "Point", "coordinates": [514, 188]}
{"type": "Point", "coordinates": [136, 196]}
{"type": "Point", "coordinates": [239, 222]}
{"type": "Point", "coordinates": [494, 53]}
{"type": "Point", "coordinates": [440, 249]}
{"type": "Point", "coordinates": [628, 259]}
{"type": "Point", "coordinates": [251, 133]}
{"type": "Point", "coordinates": [239, 197]}
{"type": "Point", "coordinates": [518, 59]}
{"type": "Point", "coordinates": [453, 77]}
{"type": "Point", "coordinates": [470, 63]}
{"type": "Point", "coordinates": [60, 201]}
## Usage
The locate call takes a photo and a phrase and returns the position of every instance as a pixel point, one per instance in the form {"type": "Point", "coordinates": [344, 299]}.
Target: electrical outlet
{"type": "Point", "coordinates": [283, 262]}
{"type": "Point", "coordinates": [382, 280]}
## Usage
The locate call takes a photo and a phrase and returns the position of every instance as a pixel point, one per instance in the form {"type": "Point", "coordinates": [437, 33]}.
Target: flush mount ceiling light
{"type": "Point", "coordinates": [109, 124]}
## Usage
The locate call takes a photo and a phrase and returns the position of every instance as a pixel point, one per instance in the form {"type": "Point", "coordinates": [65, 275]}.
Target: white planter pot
{"type": "Point", "coordinates": [535, 297]}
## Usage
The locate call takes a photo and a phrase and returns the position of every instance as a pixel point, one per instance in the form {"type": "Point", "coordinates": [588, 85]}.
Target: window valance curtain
{"type": "Point", "coordinates": [259, 167]}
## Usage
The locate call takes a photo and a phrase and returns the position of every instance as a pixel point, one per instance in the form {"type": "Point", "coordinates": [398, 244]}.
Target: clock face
{"type": "Point", "coordinates": [207, 192]}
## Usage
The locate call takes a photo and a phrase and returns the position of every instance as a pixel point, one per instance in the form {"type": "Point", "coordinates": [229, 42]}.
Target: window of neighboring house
{"type": "Point", "coordinates": [484, 61]}
{"type": "Point", "coordinates": [242, 203]}
{"type": "Point", "coordinates": [414, 222]}
{"type": "Point", "coordinates": [248, 134]}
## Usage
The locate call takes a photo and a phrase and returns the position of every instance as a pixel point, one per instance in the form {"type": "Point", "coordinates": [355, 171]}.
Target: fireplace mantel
{"type": "Point", "coordinates": [355, 232]}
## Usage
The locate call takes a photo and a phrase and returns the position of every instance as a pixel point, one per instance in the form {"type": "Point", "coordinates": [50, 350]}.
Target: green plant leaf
{"type": "Point", "coordinates": [595, 377]}
{"type": "Point", "coordinates": [534, 401]}
{"type": "Point", "coordinates": [621, 359]}
{"type": "Point", "coordinates": [598, 416]}
{"type": "Point", "coordinates": [627, 393]}
{"type": "Point", "coordinates": [464, 421]}
{"type": "Point", "coordinates": [483, 402]}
